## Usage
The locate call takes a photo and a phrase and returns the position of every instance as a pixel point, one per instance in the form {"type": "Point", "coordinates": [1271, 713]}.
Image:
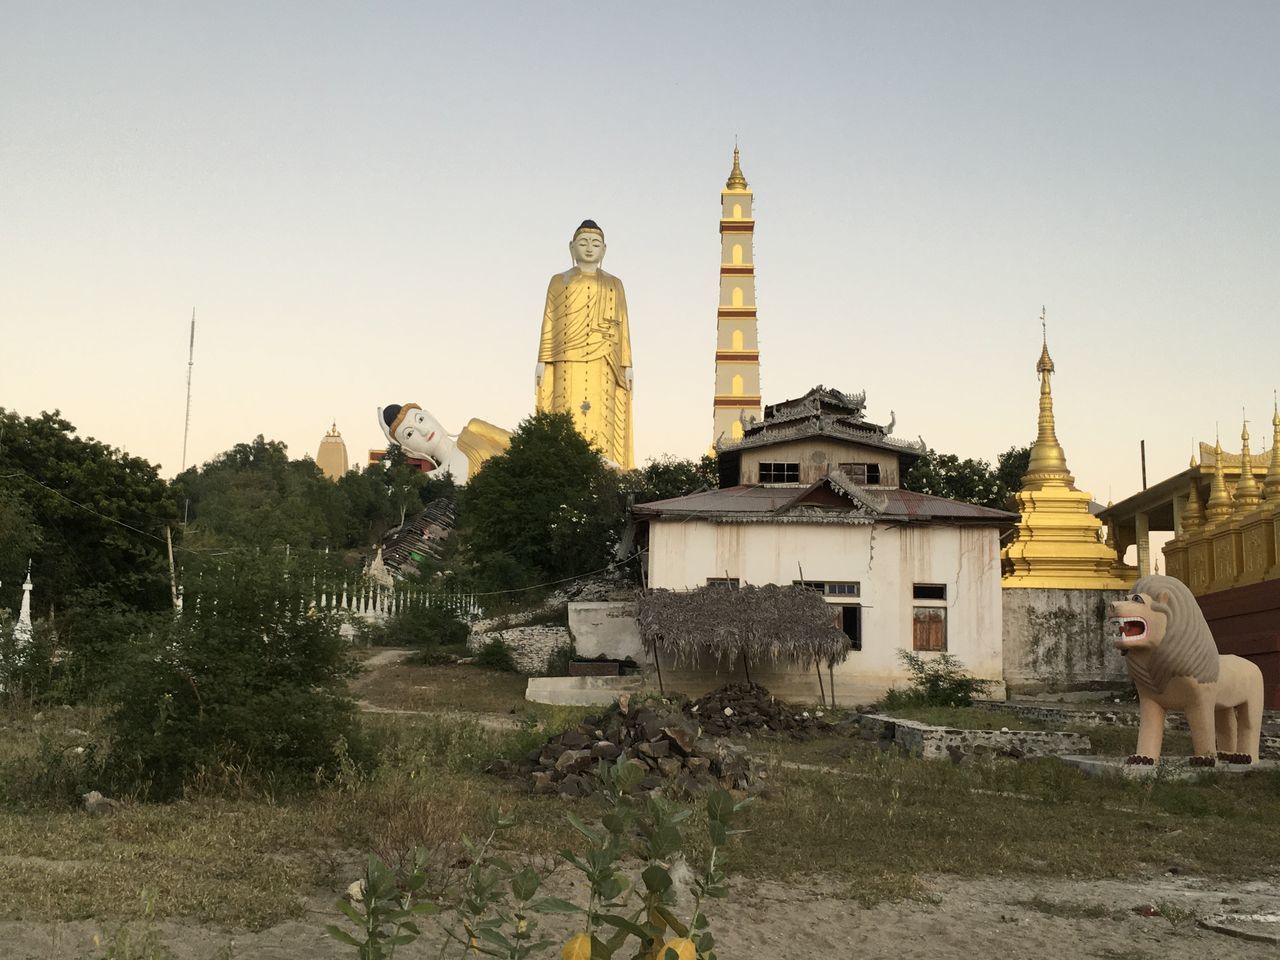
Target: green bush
{"type": "Point", "coordinates": [249, 678]}
{"type": "Point", "coordinates": [940, 681]}
{"type": "Point", "coordinates": [423, 627]}
{"type": "Point", "coordinates": [496, 656]}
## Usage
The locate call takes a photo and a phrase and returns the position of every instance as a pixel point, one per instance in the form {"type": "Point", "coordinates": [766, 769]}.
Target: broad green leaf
{"type": "Point", "coordinates": [525, 884]}
{"type": "Point", "coordinates": [656, 878]}
{"type": "Point", "coordinates": [665, 913]}
{"type": "Point", "coordinates": [622, 923]}
{"type": "Point", "coordinates": [554, 905]}
{"type": "Point", "coordinates": [342, 936]}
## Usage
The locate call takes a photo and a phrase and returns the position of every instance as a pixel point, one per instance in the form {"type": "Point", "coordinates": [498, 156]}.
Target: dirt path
{"type": "Point", "coordinates": [1009, 919]}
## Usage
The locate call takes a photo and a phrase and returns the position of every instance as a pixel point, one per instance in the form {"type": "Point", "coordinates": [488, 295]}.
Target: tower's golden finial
{"type": "Point", "coordinates": [1219, 506]}
{"type": "Point", "coordinates": [736, 180]}
{"type": "Point", "coordinates": [1247, 492]}
{"type": "Point", "coordinates": [1045, 364]}
{"type": "Point", "coordinates": [1048, 464]}
{"type": "Point", "coordinates": [1271, 486]}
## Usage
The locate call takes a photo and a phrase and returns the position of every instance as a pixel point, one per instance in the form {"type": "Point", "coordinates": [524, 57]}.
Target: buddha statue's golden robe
{"type": "Point", "coordinates": [586, 349]}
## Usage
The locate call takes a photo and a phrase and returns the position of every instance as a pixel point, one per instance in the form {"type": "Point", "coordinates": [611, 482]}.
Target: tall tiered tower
{"type": "Point", "coordinates": [737, 348]}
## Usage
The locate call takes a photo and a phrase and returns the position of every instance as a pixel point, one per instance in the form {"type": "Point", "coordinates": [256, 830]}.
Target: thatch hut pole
{"type": "Point", "coordinates": [822, 694]}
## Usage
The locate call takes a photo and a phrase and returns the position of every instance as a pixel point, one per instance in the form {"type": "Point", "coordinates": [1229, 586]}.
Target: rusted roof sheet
{"type": "Point", "coordinates": [759, 502]}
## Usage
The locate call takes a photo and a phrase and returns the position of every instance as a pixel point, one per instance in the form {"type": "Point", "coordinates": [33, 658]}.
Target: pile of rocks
{"type": "Point", "coordinates": [656, 736]}
{"type": "Point", "coordinates": [747, 709]}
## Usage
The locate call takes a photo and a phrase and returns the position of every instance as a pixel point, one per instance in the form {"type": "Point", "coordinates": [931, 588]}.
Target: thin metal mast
{"type": "Point", "coordinates": [191, 359]}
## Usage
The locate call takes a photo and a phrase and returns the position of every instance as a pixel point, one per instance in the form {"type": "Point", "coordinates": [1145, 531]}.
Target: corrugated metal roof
{"type": "Point", "coordinates": [758, 501]}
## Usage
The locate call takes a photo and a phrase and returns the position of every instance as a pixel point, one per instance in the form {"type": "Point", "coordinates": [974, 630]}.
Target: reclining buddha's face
{"type": "Point", "coordinates": [421, 436]}
{"type": "Point", "coordinates": [1140, 621]}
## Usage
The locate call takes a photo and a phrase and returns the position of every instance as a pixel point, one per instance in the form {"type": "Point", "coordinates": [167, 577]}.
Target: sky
{"type": "Point", "coordinates": [363, 205]}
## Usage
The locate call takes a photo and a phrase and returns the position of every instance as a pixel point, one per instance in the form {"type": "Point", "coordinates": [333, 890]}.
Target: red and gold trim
{"type": "Point", "coordinates": [738, 356]}
{"type": "Point", "coordinates": [746, 402]}
{"type": "Point", "coordinates": [737, 226]}
{"type": "Point", "coordinates": [735, 313]}
{"type": "Point", "coordinates": [736, 270]}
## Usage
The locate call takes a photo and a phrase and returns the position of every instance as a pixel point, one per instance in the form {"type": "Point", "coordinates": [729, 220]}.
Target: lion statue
{"type": "Point", "coordinates": [1175, 665]}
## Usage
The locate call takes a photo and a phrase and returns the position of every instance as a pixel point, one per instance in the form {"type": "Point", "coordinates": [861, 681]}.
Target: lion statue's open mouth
{"type": "Point", "coordinates": [1129, 630]}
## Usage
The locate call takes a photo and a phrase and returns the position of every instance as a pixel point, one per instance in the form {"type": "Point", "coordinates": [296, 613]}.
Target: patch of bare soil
{"type": "Point", "coordinates": [1002, 917]}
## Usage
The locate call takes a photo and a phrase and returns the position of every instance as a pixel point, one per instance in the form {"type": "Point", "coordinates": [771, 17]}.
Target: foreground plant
{"type": "Point", "coordinates": [495, 910]}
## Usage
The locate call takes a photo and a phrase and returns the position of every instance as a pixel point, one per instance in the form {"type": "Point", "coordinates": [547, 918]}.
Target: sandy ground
{"type": "Point", "coordinates": [961, 920]}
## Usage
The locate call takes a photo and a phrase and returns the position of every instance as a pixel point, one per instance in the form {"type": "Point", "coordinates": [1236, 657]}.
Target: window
{"type": "Point", "coordinates": [868, 473]}
{"type": "Point", "coordinates": [735, 431]}
{"type": "Point", "coordinates": [729, 583]}
{"type": "Point", "coordinates": [736, 385]}
{"type": "Point", "coordinates": [929, 628]}
{"type": "Point", "coordinates": [929, 591]}
{"type": "Point", "coordinates": [737, 253]}
{"type": "Point", "coordinates": [779, 473]}
{"type": "Point", "coordinates": [736, 341]}
{"type": "Point", "coordinates": [851, 624]}
{"type": "Point", "coordinates": [737, 296]}
{"type": "Point", "coordinates": [832, 588]}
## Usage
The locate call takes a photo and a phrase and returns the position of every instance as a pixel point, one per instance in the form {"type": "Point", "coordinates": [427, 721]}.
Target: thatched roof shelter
{"type": "Point", "coordinates": [765, 624]}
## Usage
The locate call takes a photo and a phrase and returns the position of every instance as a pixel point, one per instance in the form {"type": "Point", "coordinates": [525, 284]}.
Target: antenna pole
{"type": "Point", "coordinates": [191, 359]}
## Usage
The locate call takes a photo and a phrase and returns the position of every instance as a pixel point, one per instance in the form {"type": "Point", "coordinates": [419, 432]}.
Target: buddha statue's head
{"type": "Point", "coordinates": [587, 246]}
{"type": "Point", "coordinates": [416, 431]}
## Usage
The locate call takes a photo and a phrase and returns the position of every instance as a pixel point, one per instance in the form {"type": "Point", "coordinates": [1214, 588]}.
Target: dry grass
{"type": "Point", "coordinates": [876, 823]}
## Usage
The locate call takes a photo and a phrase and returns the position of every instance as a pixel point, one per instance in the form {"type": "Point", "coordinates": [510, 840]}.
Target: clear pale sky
{"type": "Point", "coordinates": [363, 203]}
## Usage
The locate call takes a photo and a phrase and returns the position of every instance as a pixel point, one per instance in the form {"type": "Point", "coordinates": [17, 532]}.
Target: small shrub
{"type": "Point", "coordinates": [937, 682]}
{"type": "Point", "coordinates": [495, 655]}
{"type": "Point", "coordinates": [424, 626]}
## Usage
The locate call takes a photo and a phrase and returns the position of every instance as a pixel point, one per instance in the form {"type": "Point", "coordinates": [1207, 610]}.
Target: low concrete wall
{"type": "Point", "coordinates": [580, 691]}
{"type": "Point", "coordinates": [1057, 640]}
{"type": "Point", "coordinates": [945, 743]}
{"type": "Point", "coordinates": [606, 629]}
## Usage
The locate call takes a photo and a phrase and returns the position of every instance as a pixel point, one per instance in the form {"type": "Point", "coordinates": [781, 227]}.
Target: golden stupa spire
{"type": "Point", "coordinates": [1048, 464]}
{"type": "Point", "coordinates": [1193, 515]}
{"type": "Point", "coordinates": [1247, 492]}
{"type": "Point", "coordinates": [1271, 486]}
{"type": "Point", "coordinates": [736, 180]}
{"type": "Point", "coordinates": [1219, 506]}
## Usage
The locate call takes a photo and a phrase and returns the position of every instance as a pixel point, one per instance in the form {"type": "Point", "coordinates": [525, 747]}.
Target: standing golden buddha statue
{"type": "Point", "coordinates": [584, 359]}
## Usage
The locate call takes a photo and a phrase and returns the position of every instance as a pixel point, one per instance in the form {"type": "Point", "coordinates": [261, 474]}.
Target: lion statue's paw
{"type": "Point", "coordinates": [1202, 761]}
{"type": "Point", "coordinates": [1138, 759]}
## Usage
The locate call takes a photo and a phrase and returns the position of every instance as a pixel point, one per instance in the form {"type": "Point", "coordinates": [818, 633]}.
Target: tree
{"type": "Point", "coordinates": [254, 495]}
{"type": "Point", "coordinates": [668, 477]}
{"type": "Point", "coordinates": [91, 515]}
{"type": "Point", "coordinates": [971, 481]}
{"type": "Point", "coordinates": [249, 676]}
{"type": "Point", "coordinates": [549, 507]}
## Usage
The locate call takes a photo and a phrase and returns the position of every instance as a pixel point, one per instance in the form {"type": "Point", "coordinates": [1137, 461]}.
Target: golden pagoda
{"type": "Point", "coordinates": [1059, 542]}
{"type": "Point", "coordinates": [332, 456]}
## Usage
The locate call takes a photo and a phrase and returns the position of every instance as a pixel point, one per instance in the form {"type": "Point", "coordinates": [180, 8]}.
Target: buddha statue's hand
{"type": "Point", "coordinates": [629, 375]}
{"type": "Point", "coordinates": [538, 371]}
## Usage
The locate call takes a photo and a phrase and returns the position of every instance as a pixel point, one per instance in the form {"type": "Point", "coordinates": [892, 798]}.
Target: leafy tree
{"type": "Point", "coordinates": [254, 495]}
{"type": "Point", "coordinates": [968, 480]}
{"type": "Point", "coordinates": [249, 675]}
{"type": "Point", "coordinates": [549, 507]}
{"type": "Point", "coordinates": [668, 477]}
{"type": "Point", "coordinates": [90, 515]}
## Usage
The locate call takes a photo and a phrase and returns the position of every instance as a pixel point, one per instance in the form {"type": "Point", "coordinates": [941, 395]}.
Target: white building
{"type": "Point", "coordinates": [810, 495]}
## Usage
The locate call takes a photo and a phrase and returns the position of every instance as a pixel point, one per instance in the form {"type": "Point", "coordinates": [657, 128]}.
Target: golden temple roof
{"type": "Point", "coordinates": [1219, 505]}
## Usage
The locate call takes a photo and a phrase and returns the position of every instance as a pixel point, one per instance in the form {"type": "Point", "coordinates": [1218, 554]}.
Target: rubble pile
{"type": "Point", "coordinates": [748, 709]}
{"type": "Point", "coordinates": [656, 735]}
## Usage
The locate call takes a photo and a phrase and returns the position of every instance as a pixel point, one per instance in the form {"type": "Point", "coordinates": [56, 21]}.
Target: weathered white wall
{"type": "Point", "coordinates": [887, 560]}
{"type": "Point", "coordinates": [607, 629]}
